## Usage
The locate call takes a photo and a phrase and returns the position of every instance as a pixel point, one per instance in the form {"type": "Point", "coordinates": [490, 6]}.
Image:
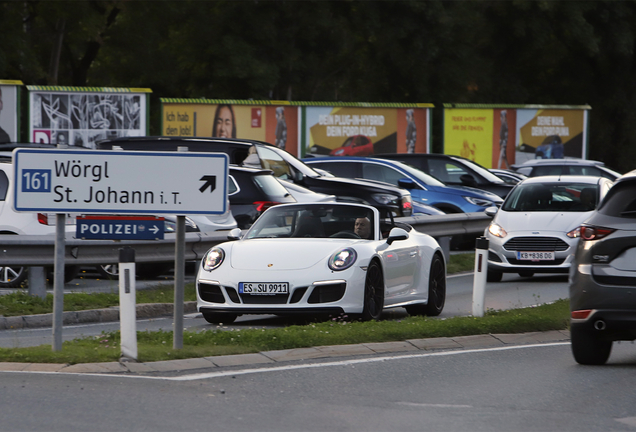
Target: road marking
{"type": "Point", "coordinates": [426, 405]}
{"type": "Point", "coordinates": [232, 373]}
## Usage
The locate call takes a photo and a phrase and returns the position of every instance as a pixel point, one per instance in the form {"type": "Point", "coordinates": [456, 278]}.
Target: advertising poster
{"type": "Point", "coordinates": [469, 133]}
{"type": "Point", "coordinates": [9, 111]}
{"type": "Point", "coordinates": [365, 129]}
{"type": "Point", "coordinates": [499, 136]}
{"type": "Point", "coordinates": [81, 116]}
{"type": "Point", "coordinates": [275, 122]}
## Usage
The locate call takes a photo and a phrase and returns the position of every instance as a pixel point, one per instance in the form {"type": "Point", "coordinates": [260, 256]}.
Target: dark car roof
{"type": "Point", "coordinates": [201, 144]}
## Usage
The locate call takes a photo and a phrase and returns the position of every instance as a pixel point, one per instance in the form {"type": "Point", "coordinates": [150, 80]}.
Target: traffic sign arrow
{"type": "Point", "coordinates": [209, 180]}
{"type": "Point", "coordinates": [154, 229]}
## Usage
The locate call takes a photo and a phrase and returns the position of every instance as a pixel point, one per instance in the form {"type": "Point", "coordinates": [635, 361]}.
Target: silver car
{"type": "Point", "coordinates": [536, 230]}
{"type": "Point", "coordinates": [603, 276]}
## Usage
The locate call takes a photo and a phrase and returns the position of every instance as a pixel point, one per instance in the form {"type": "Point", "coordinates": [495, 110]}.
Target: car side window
{"type": "Point", "coordinates": [340, 169]}
{"type": "Point", "coordinates": [271, 160]}
{"type": "Point", "coordinates": [232, 186]}
{"type": "Point", "coordinates": [585, 170]}
{"type": "Point", "coordinates": [381, 173]}
{"type": "Point", "coordinates": [620, 202]}
{"type": "Point", "coordinates": [4, 185]}
{"type": "Point", "coordinates": [546, 170]}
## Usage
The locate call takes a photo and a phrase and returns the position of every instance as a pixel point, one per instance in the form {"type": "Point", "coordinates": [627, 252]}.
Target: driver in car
{"type": "Point", "coordinates": [362, 227]}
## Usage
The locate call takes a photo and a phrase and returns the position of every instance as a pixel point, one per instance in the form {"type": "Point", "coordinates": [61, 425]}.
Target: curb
{"type": "Point", "coordinates": [279, 356]}
{"type": "Point", "coordinates": [146, 310]}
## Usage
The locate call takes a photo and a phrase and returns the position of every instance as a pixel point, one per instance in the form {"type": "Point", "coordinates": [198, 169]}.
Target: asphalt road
{"type": "Point", "coordinates": [512, 292]}
{"type": "Point", "coordinates": [517, 388]}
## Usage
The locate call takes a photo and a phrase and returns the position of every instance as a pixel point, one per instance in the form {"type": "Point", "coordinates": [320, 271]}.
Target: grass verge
{"type": "Point", "coordinates": [156, 346]}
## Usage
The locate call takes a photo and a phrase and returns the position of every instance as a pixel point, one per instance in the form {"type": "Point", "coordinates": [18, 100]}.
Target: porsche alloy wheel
{"type": "Point", "coordinates": [436, 291]}
{"type": "Point", "coordinates": [12, 277]}
{"type": "Point", "coordinates": [436, 287]}
{"type": "Point", "coordinates": [219, 318]}
{"type": "Point", "coordinates": [373, 293]}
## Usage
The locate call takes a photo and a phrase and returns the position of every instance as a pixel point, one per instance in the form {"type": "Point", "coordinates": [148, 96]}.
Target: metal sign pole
{"type": "Point", "coordinates": [179, 279]}
{"type": "Point", "coordinates": [58, 281]}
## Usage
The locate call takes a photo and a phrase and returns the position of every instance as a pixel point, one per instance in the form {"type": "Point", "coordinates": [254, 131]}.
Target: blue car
{"type": "Point", "coordinates": [424, 188]}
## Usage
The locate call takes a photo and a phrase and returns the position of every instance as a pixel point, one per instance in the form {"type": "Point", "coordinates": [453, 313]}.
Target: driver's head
{"type": "Point", "coordinates": [362, 227]}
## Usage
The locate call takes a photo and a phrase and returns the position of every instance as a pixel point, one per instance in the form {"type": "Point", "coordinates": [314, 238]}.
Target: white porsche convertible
{"type": "Point", "coordinates": [322, 258]}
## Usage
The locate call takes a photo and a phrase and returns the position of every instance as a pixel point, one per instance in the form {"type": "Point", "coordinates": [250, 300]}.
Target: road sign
{"type": "Point", "coordinates": [120, 228]}
{"type": "Point", "coordinates": [119, 182]}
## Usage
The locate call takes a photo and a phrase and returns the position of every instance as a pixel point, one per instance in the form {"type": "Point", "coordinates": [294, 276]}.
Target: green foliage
{"type": "Point", "coordinates": [155, 346]}
{"type": "Point", "coordinates": [520, 52]}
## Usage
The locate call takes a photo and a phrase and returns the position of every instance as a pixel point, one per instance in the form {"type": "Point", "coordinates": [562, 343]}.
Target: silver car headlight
{"type": "Point", "coordinates": [497, 230]}
{"type": "Point", "coordinates": [343, 259]}
{"type": "Point", "coordinates": [479, 201]}
{"type": "Point", "coordinates": [213, 259]}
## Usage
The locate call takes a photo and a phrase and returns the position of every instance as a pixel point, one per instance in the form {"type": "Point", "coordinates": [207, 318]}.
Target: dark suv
{"type": "Point", "coordinates": [252, 191]}
{"type": "Point", "coordinates": [453, 171]}
{"type": "Point", "coordinates": [603, 276]}
{"type": "Point", "coordinates": [262, 155]}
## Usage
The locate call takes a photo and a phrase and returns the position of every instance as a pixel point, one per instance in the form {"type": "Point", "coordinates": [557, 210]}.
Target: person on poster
{"type": "Point", "coordinates": [503, 141]}
{"type": "Point", "coordinates": [281, 128]}
{"type": "Point", "coordinates": [4, 136]}
{"type": "Point", "coordinates": [411, 131]}
{"type": "Point", "coordinates": [224, 125]}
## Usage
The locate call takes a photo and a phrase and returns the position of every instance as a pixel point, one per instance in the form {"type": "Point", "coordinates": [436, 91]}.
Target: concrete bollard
{"type": "Point", "coordinates": [127, 303]}
{"type": "Point", "coordinates": [479, 280]}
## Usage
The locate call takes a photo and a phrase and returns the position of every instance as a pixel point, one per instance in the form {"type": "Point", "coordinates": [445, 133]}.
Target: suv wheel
{"type": "Point", "coordinates": [588, 348]}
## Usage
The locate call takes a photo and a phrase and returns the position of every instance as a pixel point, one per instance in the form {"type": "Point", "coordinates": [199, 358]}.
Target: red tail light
{"type": "Point", "coordinates": [261, 206]}
{"type": "Point", "coordinates": [43, 219]}
{"type": "Point", "coordinates": [581, 314]}
{"type": "Point", "coordinates": [594, 233]}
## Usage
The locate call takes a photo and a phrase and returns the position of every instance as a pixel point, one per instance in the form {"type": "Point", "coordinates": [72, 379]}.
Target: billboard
{"type": "Point", "coordinates": [9, 111]}
{"type": "Point", "coordinates": [80, 116]}
{"type": "Point", "coordinates": [304, 128]}
{"type": "Point", "coordinates": [497, 136]}
{"type": "Point", "coordinates": [275, 122]}
{"type": "Point", "coordinates": [365, 129]}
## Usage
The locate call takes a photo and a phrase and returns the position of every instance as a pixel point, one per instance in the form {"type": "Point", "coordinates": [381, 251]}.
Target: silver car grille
{"type": "Point", "coordinates": [537, 244]}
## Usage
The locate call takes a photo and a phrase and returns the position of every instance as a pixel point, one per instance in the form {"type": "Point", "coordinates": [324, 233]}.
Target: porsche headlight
{"type": "Point", "coordinates": [343, 259]}
{"type": "Point", "coordinates": [213, 259]}
{"type": "Point", "coordinates": [497, 230]}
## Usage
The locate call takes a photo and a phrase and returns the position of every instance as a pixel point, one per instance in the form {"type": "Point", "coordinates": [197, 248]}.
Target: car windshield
{"type": "Point", "coordinates": [421, 175]}
{"type": "Point", "coordinates": [482, 171]}
{"type": "Point", "coordinates": [280, 162]}
{"type": "Point", "coordinates": [552, 197]}
{"type": "Point", "coordinates": [316, 221]}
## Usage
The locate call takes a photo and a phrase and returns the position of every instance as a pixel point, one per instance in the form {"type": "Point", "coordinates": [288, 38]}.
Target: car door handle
{"type": "Point", "coordinates": [413, 254]}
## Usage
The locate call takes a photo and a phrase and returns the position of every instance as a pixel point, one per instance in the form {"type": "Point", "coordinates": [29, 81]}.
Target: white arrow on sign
{"type": "Point", "coordinates": [154, 229]}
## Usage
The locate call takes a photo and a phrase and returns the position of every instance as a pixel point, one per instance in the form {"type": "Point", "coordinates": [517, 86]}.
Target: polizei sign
{"type": "Point", "coordinates": [118, 182]}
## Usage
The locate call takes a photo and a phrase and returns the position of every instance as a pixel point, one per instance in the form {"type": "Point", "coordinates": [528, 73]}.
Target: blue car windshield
{"type": "Point", "coordinates": [552, 197]}
{"type": "Point", "coordinates": [329, 220]}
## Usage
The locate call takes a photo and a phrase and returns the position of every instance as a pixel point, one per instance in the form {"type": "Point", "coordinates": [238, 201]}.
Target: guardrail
{"type": "Point", "coordinates": [37, 251]}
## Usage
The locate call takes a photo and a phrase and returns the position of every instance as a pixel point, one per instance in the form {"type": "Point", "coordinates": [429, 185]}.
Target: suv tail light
{"type": "Point", "coordinates": [261, 206]}
{"type": "Point", "coordinates": [43, 218]}
{"type": "Point", "coordinates": [594, 233]}
{"type": "Point", "coordinates": [407, 206]}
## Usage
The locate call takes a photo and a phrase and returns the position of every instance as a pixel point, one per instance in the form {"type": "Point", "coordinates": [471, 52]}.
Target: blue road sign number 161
{"type": "Point", "coordinates": [36, 180]}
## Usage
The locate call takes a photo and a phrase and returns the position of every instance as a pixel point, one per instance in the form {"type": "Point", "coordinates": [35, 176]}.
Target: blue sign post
{"type": "Point", "coordinates": [120, 228]}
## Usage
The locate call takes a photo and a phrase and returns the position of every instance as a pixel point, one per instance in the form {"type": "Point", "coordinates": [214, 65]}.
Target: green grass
{"type": "Point", "coordinates": [155, 346]}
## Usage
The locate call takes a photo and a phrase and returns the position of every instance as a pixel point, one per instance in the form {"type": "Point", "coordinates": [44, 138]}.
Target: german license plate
{"type": "Point", "coordinates": [535, 256]}
{"type": "Point", "coordinates": [263, 288]}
